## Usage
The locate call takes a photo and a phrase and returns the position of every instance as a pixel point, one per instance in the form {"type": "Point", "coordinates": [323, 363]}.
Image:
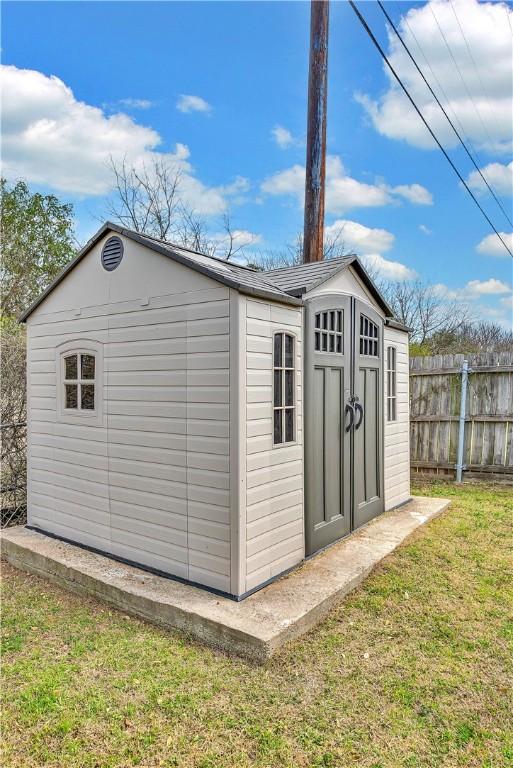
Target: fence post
{"type": "Point", "coordinates": [461, 433]}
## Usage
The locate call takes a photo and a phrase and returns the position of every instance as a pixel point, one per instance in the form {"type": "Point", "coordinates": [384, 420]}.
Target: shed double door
{"type": "Point", "coordinates": [343, 418]}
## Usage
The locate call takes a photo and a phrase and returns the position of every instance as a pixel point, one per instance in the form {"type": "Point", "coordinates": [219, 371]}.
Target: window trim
{"type": "Point", "coordinates": [93, 417]}
{"type": "Point", "coordinates": [284, 407]}
{"type": "Point", "coordinates": [391, 374]}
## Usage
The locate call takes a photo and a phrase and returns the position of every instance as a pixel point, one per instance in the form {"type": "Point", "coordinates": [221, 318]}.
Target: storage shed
{"type": "Point", "coordinates": [209, 421]}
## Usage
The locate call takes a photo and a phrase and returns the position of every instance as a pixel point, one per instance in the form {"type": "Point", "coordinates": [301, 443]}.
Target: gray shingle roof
{"type": "Point", "coordinates": [301, 278]}
{"type": "Point", "coordinates": [246, 279]}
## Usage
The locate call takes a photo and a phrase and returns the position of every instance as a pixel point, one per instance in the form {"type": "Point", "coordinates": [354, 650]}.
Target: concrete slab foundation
{"type": "Point", "coordinates": [254, 628]}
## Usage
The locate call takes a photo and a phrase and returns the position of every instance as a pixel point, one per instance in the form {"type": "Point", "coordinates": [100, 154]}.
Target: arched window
{"type": "Point", "coordinates": [284, 402]}
{"type": "Point", "coordinates": [79, 394]}
{"type": "Point", "coordinates": [79, 381]}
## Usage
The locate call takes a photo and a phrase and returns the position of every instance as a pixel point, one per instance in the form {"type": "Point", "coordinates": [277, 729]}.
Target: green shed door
{"type": "Point", "coordinates": [343, 418]}
{"type": "Point", "coordinates": [368, 424]}
{"type": "Point", "coordinates": [327, 444]}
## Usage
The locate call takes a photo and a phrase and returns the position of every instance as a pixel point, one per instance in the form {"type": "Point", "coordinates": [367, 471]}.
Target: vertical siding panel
{"type": "Point", "coordinates": [397, 436]}
{"type": "Point", "coordinates": [274, 476]}
{"type": "Point", "coordinates": [238, 430]}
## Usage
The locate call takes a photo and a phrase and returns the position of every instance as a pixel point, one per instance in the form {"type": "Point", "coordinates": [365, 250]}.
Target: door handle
{"type": "Point", "coordinates": [350, 410]}
{"type": "Point", "coordinates": [358, 407]}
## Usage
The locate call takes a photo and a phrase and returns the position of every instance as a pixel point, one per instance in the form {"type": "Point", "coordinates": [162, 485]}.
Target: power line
{"type": "Point", "coordinates": [472, 59]}
{"type": "Point", "coordinates": [383, 54]}
{"type": "Point", "coordinates": [442, 90]}
{"type": "Point", "coordinates": [478, 113]}
{"type": "Point", "coordinates": [443, 110]}
{"type": "Point", "coordinates": [509, 20]}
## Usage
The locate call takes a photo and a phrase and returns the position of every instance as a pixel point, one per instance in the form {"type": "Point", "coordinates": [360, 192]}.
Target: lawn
{"type": "Point", "coordinates": [414, 669]}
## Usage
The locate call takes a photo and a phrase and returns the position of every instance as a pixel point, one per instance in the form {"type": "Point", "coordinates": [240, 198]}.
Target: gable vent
{"type": "Point", "coordinates": [112, 253]}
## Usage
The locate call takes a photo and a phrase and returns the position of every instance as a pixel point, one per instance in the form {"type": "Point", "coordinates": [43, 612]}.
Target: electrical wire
{"type": "Point", "coordinates": [509, 20]}
{"type": "Point", "coordinates": [476, 70]}
{"type": "Point", "coordinates": [384, 56]}
{"type": "Point", "coordinates": [442, 91]}
{"type": "Point", "coordinates": [443, 110]}
{"type": "Point", "coordinates": [478, 113]}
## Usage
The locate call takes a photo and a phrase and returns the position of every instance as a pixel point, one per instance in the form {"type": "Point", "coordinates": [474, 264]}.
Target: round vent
{"type": "Point", "coordinates": [112, 253]}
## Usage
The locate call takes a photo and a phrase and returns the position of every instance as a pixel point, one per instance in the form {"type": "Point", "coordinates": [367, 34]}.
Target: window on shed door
{"type": "Point", "coordinates": [79, 372]}
{"type": "Point", "coordinates": [369, 337]}
{"type": "Point", "coordinates": [284, 404]}
{"type": "Point", "coordinates": [328, 331]}
{"type": "Point", "coordinates": [391, 384]}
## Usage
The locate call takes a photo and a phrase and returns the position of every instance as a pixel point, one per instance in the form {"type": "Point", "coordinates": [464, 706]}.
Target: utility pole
{"type": "Point", "coordinates": [313, 238]}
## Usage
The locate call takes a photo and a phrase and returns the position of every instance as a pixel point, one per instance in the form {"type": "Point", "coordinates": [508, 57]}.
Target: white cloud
{"type": "Point", "coordinates": [342, 191]}
{"type": "Point", "coordinates": [135, 103]}
{"type": "Point", "coordinates": [507, 302]}
{"type": "Point", "coordinates": [236, 187]}
{"type": "Point", "coordinates": [487, 287]}
{"type": "Point", "coordinates": [492, 246]}
{"type": "Point", "coordinates": [359, 237]}
{"type": "Point", "coordinates": [425, 230]}
{"type": "Point", "coordinates": [282, 136]}
{"type": "Point", "coordinates": [414, 193]}
{"type": "Point", "coordinates": [473, 289]}
{"type": "Point", "coordinates": [189, 103]}
{"type": "Point", "coordinates": [241, 238]}
{"type": "Point", "coordinates": [391, 270]}
{"type": "Point", "coordinates": [500, 315]}
{"type": "Point", "coordinates": [498, 175]}
{"type": "Point", "coordinates": [52, 139]}
{"type": "Point", "coordinates": [288, 182]}
{"type": "Point", "coordinates": [483, 100]}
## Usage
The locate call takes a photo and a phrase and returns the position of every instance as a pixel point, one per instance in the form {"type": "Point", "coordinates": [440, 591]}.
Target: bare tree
{"type": "Point", "coordinates": [424, 310]}
{"type": "Point", "coordinates": [472, 337]}
{"type": "Point", "coordinates": [151, 201]}
{"type": "Point", "coordinates": [12, 418]}
{"type": "Point", "coordinates": [147, 199]}
{"type": "Point", "coordinates": [292, 254]}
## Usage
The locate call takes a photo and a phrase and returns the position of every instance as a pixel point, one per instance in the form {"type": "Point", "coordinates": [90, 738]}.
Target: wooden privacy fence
{"type": "Point", "coordinates": [435, 398]}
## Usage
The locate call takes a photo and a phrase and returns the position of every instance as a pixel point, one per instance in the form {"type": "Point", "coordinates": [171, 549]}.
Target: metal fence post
{"type": "Point", "coordinates": [461, 433]}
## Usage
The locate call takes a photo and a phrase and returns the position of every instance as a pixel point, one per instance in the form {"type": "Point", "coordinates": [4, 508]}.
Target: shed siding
{"type": "Point", "coordinates": [397, 437]}
{"type": "Point", "coordinates": [274, 475]}
{"type": "Point", "coordinates": [150, 484]}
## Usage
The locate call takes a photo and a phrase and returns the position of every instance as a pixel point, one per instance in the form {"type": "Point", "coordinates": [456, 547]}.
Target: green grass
{"type": "Point", "coordinates": [415, 669]}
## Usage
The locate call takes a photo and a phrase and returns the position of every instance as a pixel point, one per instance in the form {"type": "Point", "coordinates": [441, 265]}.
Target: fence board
{"type": "Point", "coordinates": [435, 390]}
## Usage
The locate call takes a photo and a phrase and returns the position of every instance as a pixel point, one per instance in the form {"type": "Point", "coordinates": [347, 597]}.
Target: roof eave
{"type": "Point", "coordinates": [397, 325]}
{"type": "Point", "coordinates": [369, 282]}
{"type": "Point", "coordinates": [67, 269]}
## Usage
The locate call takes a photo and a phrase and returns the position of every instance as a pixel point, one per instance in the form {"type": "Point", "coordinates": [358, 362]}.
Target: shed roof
{"type": "Point", "coordinates": [302, 278]}
{"type": "Point", "coordinates": [285, 285]}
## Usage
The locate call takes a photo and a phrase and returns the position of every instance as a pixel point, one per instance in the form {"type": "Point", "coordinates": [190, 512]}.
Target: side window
{"type": "Point", "coordinates": [391, 384]}
{"type": "Point", "coordinates": [284, 405]}
{"type": "Point", "coordinates": [78, 382]}
{"type": "Point", "coordinates": [369, 337]}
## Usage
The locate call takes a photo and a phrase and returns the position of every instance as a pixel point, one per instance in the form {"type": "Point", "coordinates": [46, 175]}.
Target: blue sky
{"type": "Point", "coordinates": [86, 80]}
